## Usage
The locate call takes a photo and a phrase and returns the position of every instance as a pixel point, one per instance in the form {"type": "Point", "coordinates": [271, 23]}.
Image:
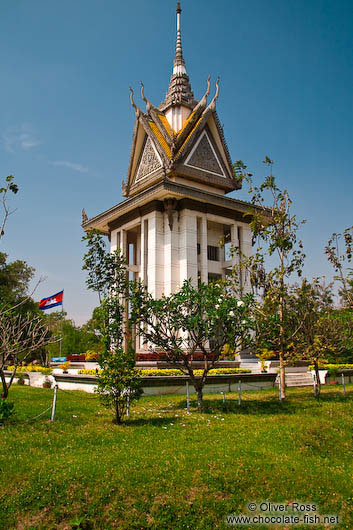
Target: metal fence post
{"type": "Point", "coordinates": [223, 397]}
{"type": "Point", "coordinates": [54, 403]}
{"type": "Point", "coordinates": [239, 392]}
{"type": "Point", "coordinates": [187, 398]}
{"type": "Point", "coordinates": [128, 405]}
{"type": "Point", "coordinates": [344, 384]}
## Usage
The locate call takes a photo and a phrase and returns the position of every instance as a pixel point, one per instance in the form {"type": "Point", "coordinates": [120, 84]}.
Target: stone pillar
{"type": "Point", "coordinates": [188, 247]}
{"type": "Point", "coordinates": [203, 250]}
{"type": "Point", "coordinates": [246, 246]}
{"type": "Point", "coordinates": [155, 268]}
{"type": "Point", "coordinates": [171, 251]}
{"type": "Point", "coordinates": [144, 251]}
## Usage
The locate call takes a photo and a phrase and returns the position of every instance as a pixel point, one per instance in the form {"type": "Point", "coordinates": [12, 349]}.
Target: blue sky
{"type": "Point", "coordinates": [66, 121]}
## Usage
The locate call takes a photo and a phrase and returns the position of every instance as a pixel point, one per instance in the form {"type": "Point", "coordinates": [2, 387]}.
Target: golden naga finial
{"type": "Point", "coordinates": [213, 102]}
{"type": "Point", "coordinates": [84, 216]}
{"type": "Point", "coordinates": [148, 103]}
{"type": "Point", "coordinates": [133, 103]}
{"type": "Point", "coordinates": [203, 100]}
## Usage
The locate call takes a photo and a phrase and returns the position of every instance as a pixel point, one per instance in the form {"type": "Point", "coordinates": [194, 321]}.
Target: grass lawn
{"type": "Point", "coordinates": [165, 469]}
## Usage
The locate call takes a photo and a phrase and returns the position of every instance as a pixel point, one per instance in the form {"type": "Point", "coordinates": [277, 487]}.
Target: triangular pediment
{"type": "Point", "coordinates": [204, 156]}
{"type": "Point", "coordinates": [150, 161]}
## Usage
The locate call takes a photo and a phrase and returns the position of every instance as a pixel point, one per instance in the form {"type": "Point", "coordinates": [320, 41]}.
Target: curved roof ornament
{"type": "Point", "coordinates": [212, 105]}
{"type": "Point", "coordinates": [148, 103]}
{"type": "Point", "coordinates": [138, 111]}
{"type": "Point", "coordinates": [203, 100]}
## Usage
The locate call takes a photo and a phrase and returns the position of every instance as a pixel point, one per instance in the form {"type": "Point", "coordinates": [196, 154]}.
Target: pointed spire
{"type": "Point", "coordinates": [179, 63]}
{"type": "Point", "coordinates": [179, 92]}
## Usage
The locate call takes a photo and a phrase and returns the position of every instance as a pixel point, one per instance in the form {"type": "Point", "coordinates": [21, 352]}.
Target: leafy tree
{"type": "Point", "coordinates": [311, 331]}
{"type": "Point", "coordinates": [341, 261]}
{"type": "Point", "coordinates": [14, 283]}
{"type": "Point", "coordinates": [274, 230]}
{"type": "Point", "coordinates": [118, 381]}
{"type": "Point", "coordinates": [201, 319]}
{"type": "Point", "coordinates": [76, 339]}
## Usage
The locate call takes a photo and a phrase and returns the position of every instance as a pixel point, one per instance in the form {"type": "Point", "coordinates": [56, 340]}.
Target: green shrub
{"type": "Point", "coordinates": [6, 409]}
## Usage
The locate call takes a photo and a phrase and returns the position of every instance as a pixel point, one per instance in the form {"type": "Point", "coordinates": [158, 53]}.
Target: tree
{"type": "Point", "coordinates": [19, 336]}
{"type": "Point", "coordinates": [274, 231]}
{"type": "Point", "coordinates": [76, 339]}
{"type": "Point", "coordinates": [308, 323]}
{"type": "Point", "coordinates": [21, 327]}
{"type": "Point", "coordinates": [14, 283]}
{"type": "Point", "coordinates": [118, 381]}
{"type": "Point", "coordinates": [339, 261]}
{"type": "Point", "coordinates": [202, 319]}
{"type": "Point", "coordinates": [9, 187]}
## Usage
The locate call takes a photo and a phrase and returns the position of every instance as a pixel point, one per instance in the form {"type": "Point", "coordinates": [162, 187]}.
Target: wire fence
{"type": "Point", "coordinates": [177, 391]}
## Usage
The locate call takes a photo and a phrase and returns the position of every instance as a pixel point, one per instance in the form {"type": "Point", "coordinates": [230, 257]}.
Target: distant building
{"type": "Point", "coordinates": [176, 210]}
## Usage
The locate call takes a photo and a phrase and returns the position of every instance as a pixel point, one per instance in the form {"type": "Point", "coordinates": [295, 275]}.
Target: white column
{"type": "Point", "coordinates": [123, 242]}
{"type": "Point", "coordinates": [246, 246]}
{"type": "Point", "coordinates": [155, 268]}
{"type": "Point", "coordinates": [188, 247]}
{"type": "Point", "coordinates": [203, 250]}
{"type": "Point", "coordinates": [142, 252]}
{"type": "Point", "coordinates": [171, 251]}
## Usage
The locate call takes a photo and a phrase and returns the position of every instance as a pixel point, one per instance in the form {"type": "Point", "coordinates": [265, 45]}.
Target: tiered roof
{"type": "Point", "coordinates": [159, 152]}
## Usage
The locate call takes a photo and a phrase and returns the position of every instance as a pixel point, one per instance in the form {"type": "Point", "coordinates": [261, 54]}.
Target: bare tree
{"type": "Point", "coordinates": [9, 186]}
{"type": "Point", "coordinates": [19, 336]}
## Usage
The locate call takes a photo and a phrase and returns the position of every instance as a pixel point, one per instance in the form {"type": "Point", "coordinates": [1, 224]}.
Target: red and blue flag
{"type": "Point", "coordinates": [51, 301]}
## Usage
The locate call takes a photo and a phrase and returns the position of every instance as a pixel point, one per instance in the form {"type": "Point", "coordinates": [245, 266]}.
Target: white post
{"type": "Point", "coordinates": [344, 385]}
{"type": "Point", "coordinates": [54, 403]}
{"type": "Point", "coordinates": [187, 398]}
{"type": "Point", "coordinates": [239, 392]}
{"type": "Point", "coordinates": [128, 405]}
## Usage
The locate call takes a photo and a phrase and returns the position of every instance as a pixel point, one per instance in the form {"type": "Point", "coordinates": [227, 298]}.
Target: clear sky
{"type": "Point", "coordinates": [66, 121]}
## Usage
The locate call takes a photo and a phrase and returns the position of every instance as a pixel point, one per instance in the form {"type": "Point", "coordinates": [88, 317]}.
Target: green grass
{"type": "Point", "coordinates": [166, 470]}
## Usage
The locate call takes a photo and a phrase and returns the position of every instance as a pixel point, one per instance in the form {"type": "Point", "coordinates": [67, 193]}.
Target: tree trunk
{"type": "Point", "coordinates": [5, 390]}
{"type": "Point", "coordinates": [317, 377]}
{"type": "Point", "coordinates": [198, 386]}
{"type": "Point", "coordinates": [199, 398]}
{"type": "Point", "coordinates": [282, 393]}
{"type": "Point", "coordinates": [117, 419]}
{"type": "Point", "coordinates": [282, 377]}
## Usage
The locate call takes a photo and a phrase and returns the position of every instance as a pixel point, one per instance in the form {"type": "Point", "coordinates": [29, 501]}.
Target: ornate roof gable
{"type": "Point", "coordinates": [196, 151]}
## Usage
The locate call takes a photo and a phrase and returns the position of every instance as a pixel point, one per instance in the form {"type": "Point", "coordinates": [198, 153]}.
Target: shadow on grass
{"type": "Point", "coordinates": [269, 405]}
{"type": "Point", "coordinates": [153, 422]}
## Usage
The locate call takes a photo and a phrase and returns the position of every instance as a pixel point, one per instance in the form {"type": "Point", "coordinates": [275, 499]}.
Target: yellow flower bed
{"type": "Point", "coordinates": [332, 368]}
{"type": "Point", "coordinates": [31, 368]}
{"type": "Point", "coordinates": [149, 372]}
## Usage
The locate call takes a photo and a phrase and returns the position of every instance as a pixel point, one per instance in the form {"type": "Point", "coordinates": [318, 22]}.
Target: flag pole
{"type": "Point", "coordinates": [62, 318]}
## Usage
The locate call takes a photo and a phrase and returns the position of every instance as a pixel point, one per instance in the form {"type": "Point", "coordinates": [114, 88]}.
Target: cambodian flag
{"type": "Point", "coordinates": [51, 301]}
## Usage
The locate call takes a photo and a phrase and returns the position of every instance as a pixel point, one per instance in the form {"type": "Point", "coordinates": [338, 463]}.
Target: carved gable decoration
{"type": "Point", "coordinates": [150, 161]}
{"type": "Point", "coordinates": [203, 156]}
